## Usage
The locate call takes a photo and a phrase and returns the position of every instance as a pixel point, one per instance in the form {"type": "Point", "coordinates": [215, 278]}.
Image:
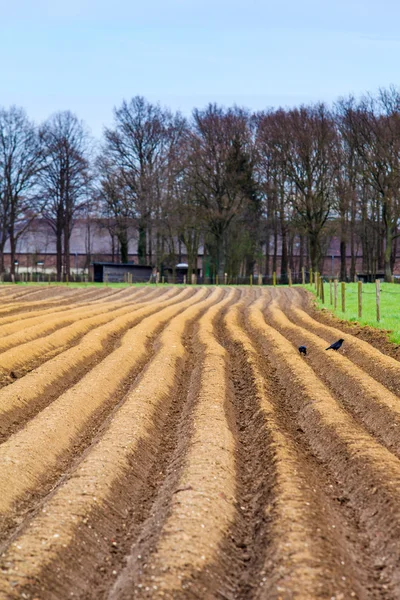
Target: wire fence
{"type": "Point", "coordinates": [339, 295]}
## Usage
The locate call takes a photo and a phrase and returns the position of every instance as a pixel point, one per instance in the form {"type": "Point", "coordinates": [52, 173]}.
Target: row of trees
{"type": "Point", "coordinates": [246, 187]}
{"type": "Point", "coordinates": [44, 172]}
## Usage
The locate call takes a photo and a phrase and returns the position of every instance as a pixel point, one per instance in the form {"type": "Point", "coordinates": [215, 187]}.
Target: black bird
{"type": "Point", "coordinates": [335, 345]}
{"type": "Point", "coordinates": [303, 350]}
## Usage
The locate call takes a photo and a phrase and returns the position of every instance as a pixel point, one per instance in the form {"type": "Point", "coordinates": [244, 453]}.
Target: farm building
{"type": "Point", "coordinates": [118, 272]}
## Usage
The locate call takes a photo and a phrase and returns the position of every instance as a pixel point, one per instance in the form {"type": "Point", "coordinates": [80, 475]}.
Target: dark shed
{"type": "Point", "coordinates": [117, 272]}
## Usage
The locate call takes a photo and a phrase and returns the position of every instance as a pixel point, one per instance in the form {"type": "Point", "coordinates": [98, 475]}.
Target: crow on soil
{"type": "Point", "coordinates": [335, 345]}
{"type": "Point", "coordinates": [303, 350]}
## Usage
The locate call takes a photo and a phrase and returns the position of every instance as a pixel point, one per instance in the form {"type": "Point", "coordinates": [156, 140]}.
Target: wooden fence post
{"type": "Point", "coordinates": [290, 277]}
{"type": "Point", "coordinates": [343, 296]}
{"type": "Point", "coordinates": [321, 285]}
{"type": "Point", "coordinates": [330, 292]}
{"type": "Point", "coordinates": [335, 282]}
{"type": "Point", "coordinates": [316, 276]}
{"type": "Point", "coordinates": [274, 278]}
{"type": "Point", "coordinates": [251, 280]}
{"type": "Point", "coordinates": [216, 279]}
{"type": "Point", "coordinates": [378, 299]}
{"type": "Point", "coordinates": [163, 279]}
{"type": "Point", "coordinates": [359, 299]}
{"type": "Point", "coordinates": [303, 276]}
{"type": "Point", "coordinates": [311, 277]}
{"type": "Point", "coordinates": [259, 279]}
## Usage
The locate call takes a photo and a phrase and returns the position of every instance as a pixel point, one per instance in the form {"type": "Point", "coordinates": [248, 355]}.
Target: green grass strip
{"type": "Point", "coordinates": [390, 306]}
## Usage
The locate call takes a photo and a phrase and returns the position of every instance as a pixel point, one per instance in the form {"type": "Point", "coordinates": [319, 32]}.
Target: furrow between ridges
{"type": "Point", "coordinates": [29, 355]}
{"type": "Point", "coordinates": [201, 505]}
{"type": "Point", "coordinates": [369, 472]}
{"type": "Point", "coordinates": [84, 513]}
{"type": "Point", "coordinates": [370, 402]}
{"type": "Point", "coordinates": [38, 388]}
{"type": "Point", "coordinates": [382, 367]}
{"type": "Point", "coordinates": [29, 457]}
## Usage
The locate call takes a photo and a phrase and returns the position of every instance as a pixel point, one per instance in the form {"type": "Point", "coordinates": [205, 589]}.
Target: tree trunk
{"type": "Point", "coordinates": [266, 270]}
{"type": "Point", "coordinates": [123, 244]}
{"type": "Point", "coordinates": [142, 243]}
{"type": "Point", "coordinates": [284, 256]}
{"type": "Point", "coordinates": [343, 270]}
{"type": "Point", "coordinates": [2, 258]}
{"type": "Point", "coordinates": [275, 254]}
{"type": "Point", "coordinates": [364, 236]}
{"type": "Point", "coordinates": [388, 253]}
{"type": "Point", "coordinates": [159, 253]}
{"type": "Point", "coordinates": [220, 256]}
{"type": "Point", "coordinates": [59, 253]}
{"type": "Point", "coordinates": [353, 263]}
{"type": "Point", "coordinates": [4, 229]}
{"type": "Point", "coordinates": [343, 240]}
{"type": "Point", "coordinates": [67, 258]}
{"type": "Point", "coordinates": [88, 244]}
{"type": "Point", "coordinates": [13, 245]}
{"type": "Point", "coordinates": [150, 243]}
{"type": "Point", "coordinates": [381, 240]}
{"type": "Point", "coordinates": [394, 250]}
{"type": "Point", "coordinates": [112, 247]}
{"type": "Point", "coordinates": [292, 261]}
{"type": "Point", "coordinates": [179, 250]}
{"type": "Point", "coordinates": [301, 253]}
{"type": "Point", "coordinates": [315, 251]}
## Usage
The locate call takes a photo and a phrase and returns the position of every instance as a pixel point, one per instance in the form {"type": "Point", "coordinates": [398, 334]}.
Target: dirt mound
{"type": "Point", "coordinates": [174, 443]}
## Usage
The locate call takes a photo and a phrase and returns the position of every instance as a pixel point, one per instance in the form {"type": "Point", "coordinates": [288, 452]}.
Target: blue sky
{"type": "Point", "coordinates": [89, 55]}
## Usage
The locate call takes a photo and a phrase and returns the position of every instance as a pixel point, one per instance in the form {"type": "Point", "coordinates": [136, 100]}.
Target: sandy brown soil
{"type": "Point", "coordinates": [173, 443]}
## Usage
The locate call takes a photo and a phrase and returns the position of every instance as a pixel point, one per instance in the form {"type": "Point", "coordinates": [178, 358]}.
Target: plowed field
{"type": "Point", "coordinates": [173, 443]}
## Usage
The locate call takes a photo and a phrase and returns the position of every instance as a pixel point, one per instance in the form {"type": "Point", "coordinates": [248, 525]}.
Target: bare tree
{"type": "Point", "coordinates": [304, 140]}
{"type": "Point", "coordinates": [373, 127]}
{"type": "Point", "coordinates": [136, 146]}
{"type": "Point", "coordinates": [65, 179]}
{"type": "Point", "coordinates": [116, 204]}
{"type": "Point", "coordinates": [276, 184]}
{"type": "Point", "coordinates": [20, 163]}
{"type": "Point", "coordinates": [221, 161]}
{"type": "Point", "coordinates": [172, 213]}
